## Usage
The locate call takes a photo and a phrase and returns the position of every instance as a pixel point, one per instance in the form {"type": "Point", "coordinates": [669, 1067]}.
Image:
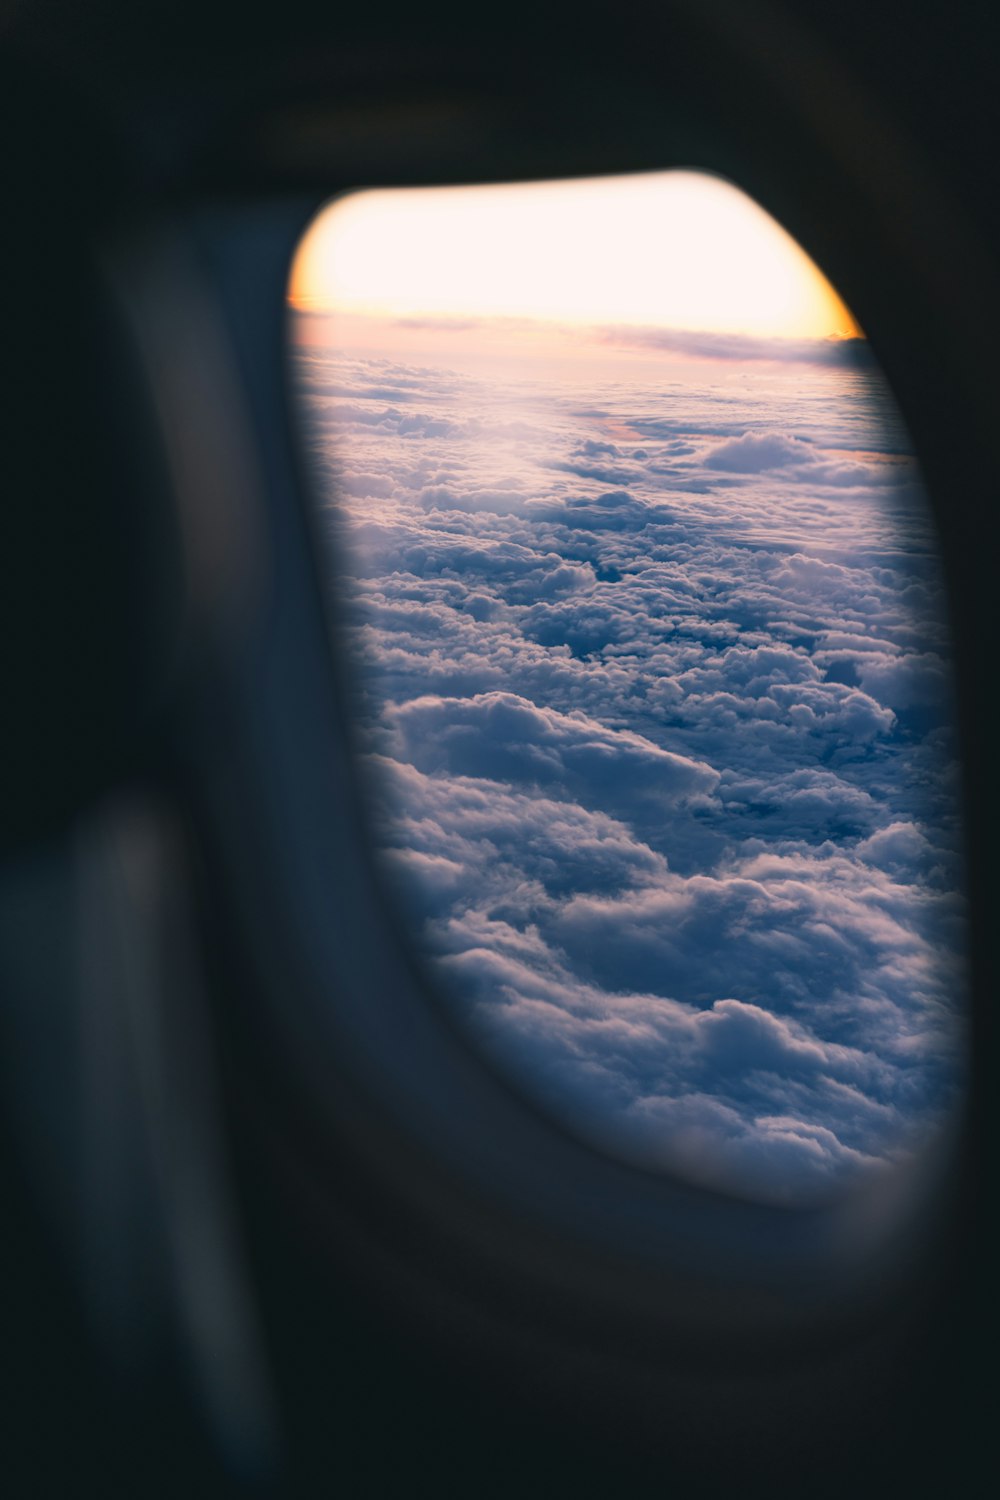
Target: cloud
{"type": "Point", "coordinates": [663, 769]}
{"type": "Point", "coordinates": [454, 325]}
{"type": "Point", "coordinates": [506, 738]}
{"type": "Point", "coordinates": [755, 452]}
{"type": "Point", "coordinates": [847, 353]}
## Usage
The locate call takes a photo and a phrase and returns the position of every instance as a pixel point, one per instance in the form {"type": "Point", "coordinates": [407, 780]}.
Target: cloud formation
{"type": "Point", "coordinates": [847, 353]}
{"type": "Point", "coordinates": [655, 692]}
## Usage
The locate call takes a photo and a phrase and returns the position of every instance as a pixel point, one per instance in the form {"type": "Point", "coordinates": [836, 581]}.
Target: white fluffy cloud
{"type": "Point", "coordinates": [656, 693]}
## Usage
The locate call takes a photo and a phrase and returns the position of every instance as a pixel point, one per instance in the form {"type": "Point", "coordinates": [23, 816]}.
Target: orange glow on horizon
{"type": "Point", "coordinates": [679, 250]}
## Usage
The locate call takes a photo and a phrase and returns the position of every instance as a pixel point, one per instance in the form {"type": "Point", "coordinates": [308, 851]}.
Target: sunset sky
{"type": "Point", "coordinates": [674, 250]}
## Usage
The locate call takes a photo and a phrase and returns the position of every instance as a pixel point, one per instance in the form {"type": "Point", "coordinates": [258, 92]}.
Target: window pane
{"type": "Point", "coordinates": [651, 665]}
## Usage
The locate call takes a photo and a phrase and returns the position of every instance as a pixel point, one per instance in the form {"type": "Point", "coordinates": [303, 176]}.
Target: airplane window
{"type": "Point", "coordinates": [652, 687]}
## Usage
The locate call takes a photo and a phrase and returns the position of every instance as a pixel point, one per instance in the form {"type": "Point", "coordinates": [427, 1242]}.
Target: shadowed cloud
{"type": "Point", "coordinates": [653, 680]}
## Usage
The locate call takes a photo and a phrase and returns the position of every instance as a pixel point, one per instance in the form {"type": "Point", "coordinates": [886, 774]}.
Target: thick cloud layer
{"type": "Point", "coordinates": [654, 686]}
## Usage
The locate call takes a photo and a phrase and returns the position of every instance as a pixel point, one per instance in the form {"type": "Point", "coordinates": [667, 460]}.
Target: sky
{"type": "Point", "coordinates": [652, 675]}
{"type": "Point", "coordinates": [584, 252]}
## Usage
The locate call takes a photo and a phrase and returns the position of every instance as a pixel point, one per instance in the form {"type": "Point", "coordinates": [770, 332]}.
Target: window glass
{"type": "Point", "coordinates": [651, 666]}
